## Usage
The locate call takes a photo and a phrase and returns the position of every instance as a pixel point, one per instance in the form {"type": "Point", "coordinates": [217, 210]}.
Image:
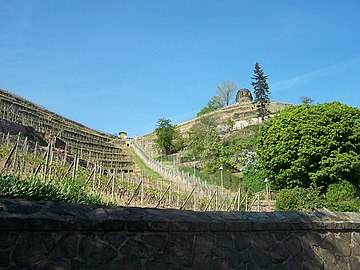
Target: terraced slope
{"type": "Point", "coordinates": [74, 138]}
{"type": "Point", "coordinates": [241, 114]}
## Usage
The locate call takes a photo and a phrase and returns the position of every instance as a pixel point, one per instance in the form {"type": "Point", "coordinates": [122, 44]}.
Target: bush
{"type": "Point", "coordinates": [299, 199]}
{"type": "Point", "coordinates": [254, 179]}
{"type": "Point", "coordinates": [341, 197]}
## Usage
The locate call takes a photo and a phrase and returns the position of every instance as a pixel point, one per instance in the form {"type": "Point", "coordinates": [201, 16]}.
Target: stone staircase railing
{"type": "Point", "coordinates": [186, 181]}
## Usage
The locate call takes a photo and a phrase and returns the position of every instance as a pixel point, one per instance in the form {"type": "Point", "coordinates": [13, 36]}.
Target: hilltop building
{"type": "Point", "coordinates": [122, 135]}
{"type": "Point", "coordinates": [243, 95]}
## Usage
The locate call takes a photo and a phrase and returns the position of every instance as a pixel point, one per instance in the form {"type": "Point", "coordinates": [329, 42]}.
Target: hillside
{"type": "Point", "coordinates": [72, 137]}
{"type": "Point", "coordinates": [241, 114]}
{"type": "Point", "coordinates": [66, 156]}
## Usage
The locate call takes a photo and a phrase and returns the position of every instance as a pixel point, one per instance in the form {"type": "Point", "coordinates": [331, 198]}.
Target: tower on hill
{"type": "Point", "coordinates": [243, 95]}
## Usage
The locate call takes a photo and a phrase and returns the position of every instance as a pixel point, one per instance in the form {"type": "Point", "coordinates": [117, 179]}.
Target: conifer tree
{"type": "Point", "coordinates": [261, 91]}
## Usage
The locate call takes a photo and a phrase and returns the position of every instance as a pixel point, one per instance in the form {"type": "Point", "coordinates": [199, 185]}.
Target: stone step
{"type": "Point", "coordinates": [263, 206]}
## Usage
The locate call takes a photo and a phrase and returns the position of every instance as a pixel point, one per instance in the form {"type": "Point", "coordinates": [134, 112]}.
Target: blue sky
{"type": "Point", "coordinates": [121, 65]}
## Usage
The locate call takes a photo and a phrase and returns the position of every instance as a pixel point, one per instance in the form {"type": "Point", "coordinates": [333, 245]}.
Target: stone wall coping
{"type": "Point", "coordinates": [24, 215]}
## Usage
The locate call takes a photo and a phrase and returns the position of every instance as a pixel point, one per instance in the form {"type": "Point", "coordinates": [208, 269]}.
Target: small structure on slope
{"type": "Point", "coordinates": [243, 95]}
{"type": "Point", "coordinates": [122, 135]}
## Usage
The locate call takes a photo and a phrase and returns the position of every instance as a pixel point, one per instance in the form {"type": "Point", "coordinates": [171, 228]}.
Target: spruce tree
{"type": "Point", "coordinates": [261, 92]}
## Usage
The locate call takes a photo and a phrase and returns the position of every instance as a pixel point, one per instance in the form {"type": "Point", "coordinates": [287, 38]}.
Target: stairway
{"type": "Point", "coordinates": [263, 206]}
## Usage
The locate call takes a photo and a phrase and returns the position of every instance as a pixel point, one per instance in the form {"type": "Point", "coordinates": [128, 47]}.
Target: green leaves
{"type": "Point", "coordinates": [339, 197]}
{"type": "Point", "coordinates": [311, 145]}
{"type": "Point", "coordinates": [213, 105]}
{"type": "Point", "coordinates": [254, 179]}
{"type": "Point", "coordinates": [261, 91]}
{"type": "Point", "coordinates": [68, 191]}
{"type": "Point", "coordinates": [299, 199]}
{"type": "Point", "coordinates": [168, 137]}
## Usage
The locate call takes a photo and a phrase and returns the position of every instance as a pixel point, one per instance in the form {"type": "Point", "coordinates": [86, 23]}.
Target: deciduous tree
{"type": "Point", "coordinates": [311, 145]}
{"type": "Point", "coordinates": [206, 145]}
{"type": "Point", "coordinates": [306, 100]}
{"type": "Point", "coordinates": [168, 138]}
{"type": "Point", "coordinates": [226, 91]}
{"type": "Point", "coordinates": [213, 105]}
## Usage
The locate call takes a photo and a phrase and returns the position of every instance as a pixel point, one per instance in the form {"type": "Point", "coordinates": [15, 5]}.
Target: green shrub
{"type": "Point", "coordinates": [299, 199]}
{"type": "Point", "coordinates": [254, 179]}
{"type": "Point", "coordinates": [341, 197]}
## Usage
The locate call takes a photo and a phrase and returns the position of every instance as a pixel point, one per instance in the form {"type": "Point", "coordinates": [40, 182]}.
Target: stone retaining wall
{"type": "Point", "coordinates": [45, 235]}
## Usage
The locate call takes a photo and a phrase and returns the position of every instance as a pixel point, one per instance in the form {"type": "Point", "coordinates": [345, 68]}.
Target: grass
{"type": "Point", "coordinates": [145, 169]}
{"type": "Point", "coordinates": [12, 186]}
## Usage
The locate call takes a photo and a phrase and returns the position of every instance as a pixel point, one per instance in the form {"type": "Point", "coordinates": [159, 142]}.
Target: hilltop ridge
{"type": "Point", "coordinates": [241, 114]}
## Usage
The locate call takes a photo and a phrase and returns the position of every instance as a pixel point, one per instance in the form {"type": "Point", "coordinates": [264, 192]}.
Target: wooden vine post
{"type": "Point", "coordinates": [187, 198]}
{"type": "Point", "coordinates": [74, 168]}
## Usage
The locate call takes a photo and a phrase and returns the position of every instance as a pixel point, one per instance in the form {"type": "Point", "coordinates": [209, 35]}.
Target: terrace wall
{"type": "Point", "coordinates": [46, 235]}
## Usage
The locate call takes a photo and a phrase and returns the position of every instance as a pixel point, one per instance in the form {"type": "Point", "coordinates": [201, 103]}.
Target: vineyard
{"type": "Point", "coordinates": [69, 157]}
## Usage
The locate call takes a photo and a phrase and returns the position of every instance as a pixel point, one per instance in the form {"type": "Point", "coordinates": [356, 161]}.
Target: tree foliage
{"type": "Point", "coordinates": [261, 91]}
{"type": "Point", "coordinates": [306, 100]}
{"type": "Point", "coordinates": [213, 105]}
{"type": "Point", "coordinates": [244, 138]}
{"type": "Point", "coordinates": [254, 178]}
{"type": "Point", "coordinates": [206, 145]}
{"type": "Point", "coordinates": [168, 137]}
{"type": "Point", "coordinates": [225, 92]}
{"type": "Point", "coordinates": [311, 145]}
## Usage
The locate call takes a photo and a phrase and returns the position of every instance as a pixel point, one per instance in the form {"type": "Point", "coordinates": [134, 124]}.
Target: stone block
{"type": "Point", "coordinates": [156, 240]}
{"type": "Point", "coordinates": [217, 227]}
{"type": "Point", "coordinates": [293, 245]}
{"type": "Point", "coordinates": [8, 239]}
{"type": "Point", "coordinates": [154, 265]}
{"type": "Point", "coordinates": [237, 226]}
{"type": "Point", "coordinates": [312, 238]}
{"type": "Point", "coordinates": [137, 226]}
{"type": "Point", "coordinates": [57, 264]}
{"type": "Point", "coordinates": [115, 239]}
{"type": "Point", "coordinates": [242, 241]}
{"type": "Point", "coordinates": [188, 226]}
{"type": "Point", "coordinates": [110, 225]}
{"type": "Point", "coordinates": [228, 255]}
{"type": "Point", "coordinates": [95, 251]}
{"type": "Point", "coordinates": [203, 250]}
{"type": "Point", "coordinates": [224, 240]}
{"type": "Point", "coordinates": [342, 244]}
{"type": "Point", "coordinates": [177, 250]}
{"type": "Point", "coordinates": [354, 262]}
{"type": "Point", "coordinates": [65, 247]}
{"type": "Point", "coordinates": [280, 235]}
{"type": "Point", "coordinates": [263, 240]}
{"type": "Point", "coordinates": [29, 251]}
{"type": "Point", "coordinates": [260, 257]}
{"type": "Point", "coordinates": [12, 224]}
{"type": "Point", "coordinates": [42, 224]}
{"type": "Point", "coordinates": [137, 248]}
{"type": "Point", "coordinates": [292, 263]}
{"type": "Point", "coordinates": [4, 258]}
{"type": "Point", "coordinates": [355, 244]}
{"type": "Point", "coordinates": [278, 253]}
